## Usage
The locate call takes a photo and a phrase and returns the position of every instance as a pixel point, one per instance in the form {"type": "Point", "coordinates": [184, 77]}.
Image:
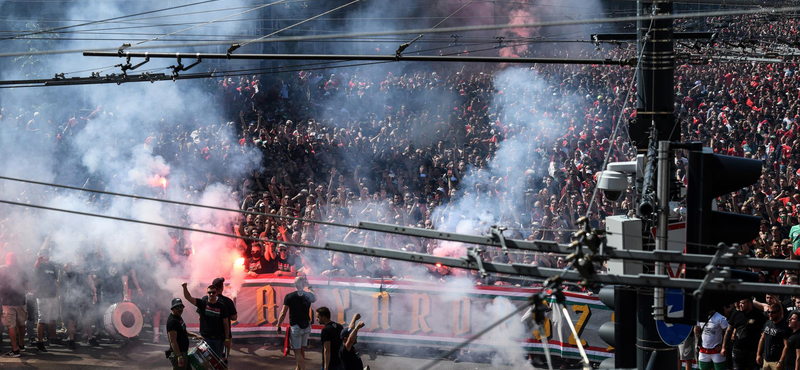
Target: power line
{"type": "Point", "coordinates": [212, 21]}
{"type": "Point", "coordinates": [110, 19]}
{"type": "Point", "coordinates": [350, 57]}
{"type": "Point", "coordinates": [406, 45]}
{"type": "Point", "coordinates": [445, 30]}
{"type": "Point", "coordinates": [236, 46]}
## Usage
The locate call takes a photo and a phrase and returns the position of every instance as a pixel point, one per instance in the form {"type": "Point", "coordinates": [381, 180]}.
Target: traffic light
{"type": "Point", "coordinates": [621, 332]}
{"type": "Point", "coordinates": [711, 176]}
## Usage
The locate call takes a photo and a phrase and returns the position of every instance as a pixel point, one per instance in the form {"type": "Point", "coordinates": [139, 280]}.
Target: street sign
{"type": "Point", "coordinates": [673, 334]}
{"type": "Point", "coordinates": [676, 241]}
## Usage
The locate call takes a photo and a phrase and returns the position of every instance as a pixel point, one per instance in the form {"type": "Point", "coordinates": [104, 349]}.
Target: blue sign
{"type": "Point", "coordinates": [673, 334]}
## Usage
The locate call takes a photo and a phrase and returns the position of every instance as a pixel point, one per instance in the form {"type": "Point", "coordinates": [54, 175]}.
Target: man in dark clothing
{"type": "Point", "coordinates": [331, 340]}
{"type": "Point", "coordinates": [219, 283]}
{"type": "Point", "coordinates": [773, 339]}
{"type": "Point", "coordinates": [214, 322]}
{"type": "Point", "coordinates": [178, 337]}
{"type": "Point", "coordinates": [285, 262]}
{"type": "Point", "coordinates": [257, 264]}
{"type": "Point", "coordinates": [78, 296]}
{"type": "Point", "coordinates": [298, 304]}
{"type": "Point", "coordinates": [744, 328]}
{"type": "Point", "coordinates": [12, 296]}
{"type": "Point", "coordinates": [347, 352]}
{"type": "Point", "coordinates": [46, 274]}
{"type": "Point", "coordinates": [384, 270]}
{"type": "Point", "coordinates": [791, 359]}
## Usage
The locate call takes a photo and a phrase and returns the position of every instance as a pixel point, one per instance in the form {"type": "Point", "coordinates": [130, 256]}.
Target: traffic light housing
{"type": "Point", "coordinates": [709, 177]}
{"type": "Point", "coordinates": [620, 333]}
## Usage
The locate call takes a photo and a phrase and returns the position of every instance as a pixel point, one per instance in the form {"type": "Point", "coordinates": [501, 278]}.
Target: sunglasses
{"type": "Point", "coordinates": [211, 293]}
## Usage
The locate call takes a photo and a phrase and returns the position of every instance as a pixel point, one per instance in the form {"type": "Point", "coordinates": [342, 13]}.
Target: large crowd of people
{"type": "Point", "coordinates": [406, 146]}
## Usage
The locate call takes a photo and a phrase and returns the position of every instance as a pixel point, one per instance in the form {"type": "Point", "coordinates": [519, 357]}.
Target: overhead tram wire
{"type": "Point", "coordinates": [238, 45]}
{"type": "Point", "coordinates": [441, 30]}
{"type": "Point", "coordinates": [403, 47]}
{"type": "Point", "coordinates": [223, 209]}
{"type": "Point", "coordinates": [210, 22]}
{"type": "Point", "coordinates": [108, 19]}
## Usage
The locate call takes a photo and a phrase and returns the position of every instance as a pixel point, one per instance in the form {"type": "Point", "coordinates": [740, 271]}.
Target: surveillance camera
{"type": "Point", "coordinates": [612, 183]}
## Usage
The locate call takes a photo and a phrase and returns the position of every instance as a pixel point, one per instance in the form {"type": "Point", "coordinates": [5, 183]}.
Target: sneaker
{"type": "Point", "coordinates": [40, 347]}
{"type": "Point", "coordinates": [93, 342]}
{"type": "Point", "coordinates": [22, 348]}
{"type": "Point", "coordinates": [71, 345]}
{"type": "Point", "coordinates": [156, 339]}
{"type": "Point", "coordinates": [12, 354]}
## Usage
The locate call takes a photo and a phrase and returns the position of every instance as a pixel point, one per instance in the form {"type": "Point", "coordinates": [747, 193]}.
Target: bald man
{"type": "Point", "coordinates": [298, 304]}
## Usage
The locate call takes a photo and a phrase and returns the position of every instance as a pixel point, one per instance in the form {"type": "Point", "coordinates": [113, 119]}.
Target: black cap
{"type": "Point", "coordinates": [345, 333]}
{"type": "Point", "coordinates": [177, 302]}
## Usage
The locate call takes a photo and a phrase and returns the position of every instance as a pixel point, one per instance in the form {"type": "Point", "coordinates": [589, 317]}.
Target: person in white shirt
{"type": "Point", "coordinates": [711, 354]}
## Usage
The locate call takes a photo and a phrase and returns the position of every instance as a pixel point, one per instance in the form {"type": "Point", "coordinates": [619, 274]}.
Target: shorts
{"type": "Point", "coordinates": [716, 358]}
{"type": "Point", "coordinates": [74, 311]}
{"type": "Point", "coordinates": [299, 337]}
{"type": "Point", "coordinates": [48, 309]}
{"type": "Point", "coordinates": [174, 360]}
{"type": "Point", "coordinates": [770, 365]}
{"type": "Point", "coordinates": [686, 350]}
{"type": "Point", "coordinates": [14, 316]}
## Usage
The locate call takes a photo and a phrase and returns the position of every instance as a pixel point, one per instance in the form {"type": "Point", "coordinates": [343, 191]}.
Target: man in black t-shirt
{"type": "Point", "coordinates": [229, 305]}
{"type": "Point", "coordinates": [258, 264]}
{"type": "Point", "coordinates": [384, 270]}
{"type": "Point", "coordinates": [298, 304]}
{"type": "Point", "coordinates": [773, 338]}
{"type": "Point", "coordinates": [178, 337]}
{"type": "Point", "coordinates": [791, 359]}
{"type": "Point", "coordinates": [214, 322]}
{"type": "Point", "coordinates": [745, 328]}
{"type": "Point", "coordinates": [78, 296]}
{"type": "Point", "coordinates": [347, 352]}
{"type": "Point", "coordinates": [285, 262]}
{"type": "Point", "coordinates": [331, 340]}
{"type": "Point", "coordinates": [46, 275]}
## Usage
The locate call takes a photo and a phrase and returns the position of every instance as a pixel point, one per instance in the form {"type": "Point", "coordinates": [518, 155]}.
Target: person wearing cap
{"type": "Point", "coordinates": [347, 351]}
{"type": "Point", "coordinates": [178, 336]}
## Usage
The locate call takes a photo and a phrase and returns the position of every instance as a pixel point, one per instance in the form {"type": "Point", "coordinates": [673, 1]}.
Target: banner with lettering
{"type": "Point", "coordinates": [426, 314]}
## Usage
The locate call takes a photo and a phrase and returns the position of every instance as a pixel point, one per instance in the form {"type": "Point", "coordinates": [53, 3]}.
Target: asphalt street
{"type": "Point", "coordinates": [144, 355]}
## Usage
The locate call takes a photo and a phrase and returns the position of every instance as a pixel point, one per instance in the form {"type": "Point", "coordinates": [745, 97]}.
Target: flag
{"type": "Point", "coordinates": [286, 341]}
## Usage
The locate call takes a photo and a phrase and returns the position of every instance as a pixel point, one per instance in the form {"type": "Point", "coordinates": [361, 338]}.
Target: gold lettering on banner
{"type": "Point", "coordinates": [267, 306]}
{"type": "Point", "coordinates": [462, 312]}
{"type": "Point", "coordinates": [420, 309]}
{"type": "Point", "coordinates": [584, 312]}
{"type": "Point", "coordinates": [380, 311]}
{"type": "Point", "coordinates": [342, 300]}
{"type": "Point", "coordinates": [547, 327]}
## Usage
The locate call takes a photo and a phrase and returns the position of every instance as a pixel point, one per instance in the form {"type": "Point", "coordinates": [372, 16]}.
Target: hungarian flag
{"type": "Point", "coordinates": [286, 342]}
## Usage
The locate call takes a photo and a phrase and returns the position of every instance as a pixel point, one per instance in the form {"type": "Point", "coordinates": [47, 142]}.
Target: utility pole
{"type": "Point", "coordinates": [655, 96]}
{"type": "Point", "coordinates": [655, 113]}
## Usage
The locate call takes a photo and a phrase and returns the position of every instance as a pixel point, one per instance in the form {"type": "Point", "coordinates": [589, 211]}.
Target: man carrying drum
{"type": "Point", "coordinates": [214, 322]}
{"type": "Point", "coordinates": [178, 337]}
